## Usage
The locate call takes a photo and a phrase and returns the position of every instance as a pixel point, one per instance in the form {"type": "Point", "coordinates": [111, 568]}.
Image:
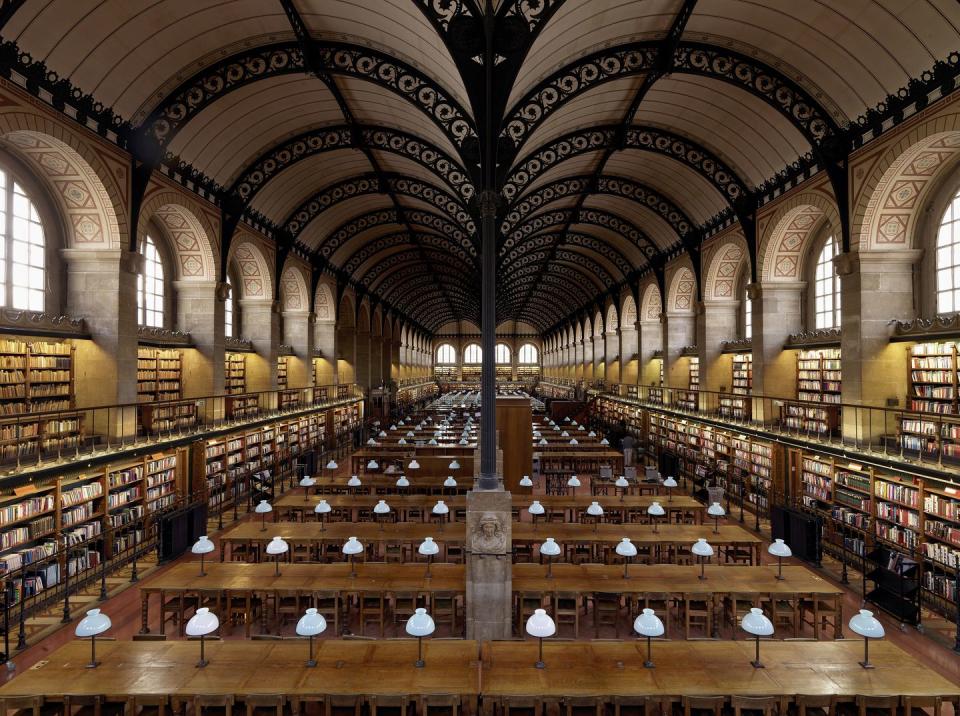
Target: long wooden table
{"type": "Point", "coordinates": [248, 579]}
{"type": "Point", "coordinates": [241, 668]}
{"type": "Point", "coordinates": [696, 668]}
{"type": "Point", "coordinates": [373, 482]}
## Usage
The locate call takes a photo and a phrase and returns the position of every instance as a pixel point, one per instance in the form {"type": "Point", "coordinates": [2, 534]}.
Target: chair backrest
{"type": "Point", "coordinates": [342, 701]}
{"type": "Point", "coordinates": [205, 701]}
{"type": "Point", "coordinates": [703, 703]}
{"type": "Point", "coordinates": [765, 704]}
{"type": "Point", "coordinates": [158, 701]}
{"type": "Point", "coordinates": [149, 637]}
{"type": "Point", "coordinates": [815, 701]}
{"type": "Point", "coordinates": [21, 704]}
{"type": "Point", "coordinates": [877, 702]}
{"type": "Point", "coordinates": [264, 701]}
{"type": "Point", "coordinates": [71, 701]}
{"type": "Point", "coordinates": [265, 637]}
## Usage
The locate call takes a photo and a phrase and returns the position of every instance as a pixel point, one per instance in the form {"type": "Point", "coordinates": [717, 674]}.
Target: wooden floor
{"type": "Point", "coordinates": [124, 611]}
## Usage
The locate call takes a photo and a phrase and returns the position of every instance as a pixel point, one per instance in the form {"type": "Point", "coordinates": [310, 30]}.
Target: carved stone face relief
{"type": "Point", "coordinates": [488, 535]}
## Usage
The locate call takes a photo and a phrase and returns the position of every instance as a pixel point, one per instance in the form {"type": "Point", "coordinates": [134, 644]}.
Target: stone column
{"type": "Point", "coordinates": [346, 355]}
{"type": "Point", "coordinates": [261, 326]}
{"type": "Point", "coordinates": [777, 312]}
{"type": "Point", "coordinates": [651, 341]}
{"type": "Point", "coordinates": [612, 356]}
{"type": "Point", "coordinates": [376, 360]}
{"type": "Point", "coordinates": [629, 355]}
{"type": "Point", "coordinates": [489, 603]}
{"type": "Point", "coordinates": [718, 323]}
{"type": "Point", "coordinates": [200, 306]}
{"type": "Point", "coordinates": [363, 359]}
{"type": "Point", "coordinates": [325, 340]}
{"type": "Point", "coordinates": [298, 333]}
{"type": "Point", "coordinates": [876, 287]}
{"type": "Point", "coordinates": [679, 331]}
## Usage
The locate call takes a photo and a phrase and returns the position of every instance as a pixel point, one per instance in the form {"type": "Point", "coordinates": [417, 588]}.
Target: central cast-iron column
{"type": "Point", "coordinates": [488, 334]}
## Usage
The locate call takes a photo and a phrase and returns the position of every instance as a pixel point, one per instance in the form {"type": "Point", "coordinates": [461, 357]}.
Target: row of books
{"type": "Point", "coordinates": [896, 492]}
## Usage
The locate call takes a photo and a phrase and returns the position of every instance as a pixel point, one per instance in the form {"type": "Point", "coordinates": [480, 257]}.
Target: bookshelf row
{"type": "Point", "coordinates": [234, 373]}
{"type": "Point", "coordinates": [35, 376]}
{"type": "Point", "coordinates": [159, 374]}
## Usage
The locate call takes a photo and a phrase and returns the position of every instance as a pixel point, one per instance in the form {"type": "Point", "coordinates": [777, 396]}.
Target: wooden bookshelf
{"type": "Point", "coordinates": [242, 406]}
{"type": "Point", "coordinates": [289, 399]}
{"type": "Point", "coordinates": [282, 372]}
{"type": "Point", "coordinates": [694, 369]}
{"type": "Point", "coordinates": [159, 375]}
{"type": "Point", "coordinates": [167, 417]}
{"type": "Point", "coordinates": [234, 373]}
{"type": "Point", "coordinates": [737, 405]}
{"type": "Point", "coordinates": [445, 373]}
{"type": "Point", "coordinates": [471, 373]}
{"type": "Point", "coordinates": [933, 377]}
{"type": "Point", "coordinates": [35, 377]}
{"type": "Point", "coordinates": [818, 375]}
{"type": "Point", "coordinates": [528, 372]}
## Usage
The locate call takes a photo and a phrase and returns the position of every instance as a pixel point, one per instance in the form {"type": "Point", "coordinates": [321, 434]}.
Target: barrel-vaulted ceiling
{"type": "Point", "coordinates": [362, 131]}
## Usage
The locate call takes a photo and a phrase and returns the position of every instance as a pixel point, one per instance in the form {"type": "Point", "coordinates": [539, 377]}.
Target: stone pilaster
{"type": "Point", "coordinates": [363, 359]}
{"type": "Point", "coordinates": [651, 341]}
{"type": "Point", "coordinates": [325, 340]}
{"type": "Point", "coordinates": [298, 334]}
{"type": "Point", "coordinates": [261, 326]}
{"type": "Point", "coordinates": [200, 306]}
{"type": "Point", "coordinates": [716, 323]}
{"type": "Point", "coordinates": [629, 354]}
{"type": "Point", "coordinates": [612, 356]}
{"type": "Point", "coordinates": [777, 312]}
{"type": "Point", "coordinates": [679, 331]}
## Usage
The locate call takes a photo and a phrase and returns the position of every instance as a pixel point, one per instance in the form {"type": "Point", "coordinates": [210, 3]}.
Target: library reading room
{"type": "Point", "coordinates": [479, 358]}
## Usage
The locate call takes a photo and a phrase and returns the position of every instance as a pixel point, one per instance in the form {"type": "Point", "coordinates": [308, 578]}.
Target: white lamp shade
{"type": "Point", "coordinates": [865, 624]}
{"type": "Point", "coordinates": [332, 465]}
{"type": "Point", "coordinates": [756, 623]}
{"type": "Point", "coordinates": [591, 434]}
{"type": "Point", "coordinates": [574, 481]}
{"type": "Point", "coordinates": [373, 465]}
{"type": "Point", "coordinates": [622, 482]}
{"type": "Point", "coordinates": [604, 442]}
{"type": "Point", "coordinates": [454, 465]}
{"type": "Point", "coordinates": [352, 546]}
{"type": "Point", "coordinates": [307, 481]}
{"type": "Point", "coordinates": [449, 482]}
{"type": "Point", "coordinates": [414, 465]}
{"type": "Point", "coordinates": [648, 624]}
{"type": "Point", "coordinates": [595, 510]}
{"type": "Point", "coordinates": [401, 441]}
{"type": "Point", "coordinates": [402, 481]}
{"type": "Point", "coordinates": [525, 481]}
{"type": "Point", "coordinates": [462, 441]}
{"type": "Point", "coordinates": [670, 482]}
{"type": "Point", "coordinates": [262, 507]}
{"type": "Point", "coordinates": [440, 508]}
{"type": "Point", "coordinates": [382, 434]}
{"type": "Point", "coordinates": [393, 427]}
{"type": "Point", "coordinates": [779, 548]}
{"type": "Point", "coordinates": [566, 419]}
{"type": "Point", "coordinates": [203, 622]}
{"type": "Point", "coordinates": [543, 441]}
{"type": "Point", "coordinates": [277, 545]}
{"type": "Point", "coordinates": [626, 548]}
{"type": "Point", "coordinates": [322, 508]}
{"type": "Point", "coordinates": [202, 546]}
{"type": "Point", "coordinates": [311, 623]}
{"type": "Point", "coordinates": [536, 433]}
{"type": "Point", "coordinates": [716, 510]}
{"type": "Point", "coordinates": [702, 548]}
{"type": "Point", "coordinates": [371, 442]}
{"type": "Point", "coordinates": [354, 481]}
{"type": "Point", "coordinates": [573, 441]}
{"type": "Point", "coordinates": [550, 548]}
{"type": "Point", "coordinates": [656, 510]}
{"type": "Point", "coordinates": [432, 441]}
{"type": "Point", "coordinates": [536, 508]}
{"type": "Point", "coordinates": [564, 434]}
{"type": "Point", "coordinates": [96, 622]}
{"type": "Point", "coordinates": [381, 508]}
{"type": "Point", "coordinates": [410, 433]}
{"type": "Point", "coordinates": [420, 624]}
{"type": "Point", "coordinates": [540, 624]}
{"type": "Point", "coordinates": [428, 547]}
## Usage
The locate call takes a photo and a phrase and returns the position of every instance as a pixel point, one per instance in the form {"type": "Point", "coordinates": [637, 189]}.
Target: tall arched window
{"type": "Point", "coordinates": [150, 288]}
{"type": "Point", "coordinates": [826, 291]}
{"type": "Point", "coordinates": [948, 259]}
{"type": "Point", "coordinates": [473, 354]}
{"type": "Point", "coordinates": [22, 284]}
{"type": "Point", "coordinates": [228, 315]}
{"type": "Point", "coordinates": [528, 354]}
{"type": "Point", "coordinates": [747, 316]}
{"type": "Point", "coordinates": [446, 354]}
{"type": "Point", "coordinates": [502, 354]}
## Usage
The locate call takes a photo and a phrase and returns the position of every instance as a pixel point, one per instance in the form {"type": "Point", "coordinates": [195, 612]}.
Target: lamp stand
{"type": "Point", "coordinates": [311, 662]}
{"type": "Point", "coordinates": [263, 521]}
{"type": "Point", "coordinates": [306, 494]}
{"type": "Point", "coordinates": [648, 664]}
{"type": "Point", "coordinates": [419, 663]}
{"type": "Point", "coordinates": [756, 661]}
{"type": "Point", "coordinates": [321, 522]}
{"type": "Point", "coordinates": [656, 525]}
{"type": "Point", "coordinates": [703, 564]}
{"type": "Point", "coordinates": [93, 653]}
{"type": "Point", "coordinates": [779, 567]}
{"type": "Point", "coordinates": [626, 563]}
{"type": "Point", "coordinates": [202, 573]}
{"type": "Point", "coordinates": [540, 664]}
{"type": "Point", "coordinates": [203, 661]}
{"type": "Point", "coordinates": [353, 568]}
{"type": "Point", "coordinates": [866, 654]}
{"type": "Point", "coordinates": [427, 575]}
{"type": "Point", "coordinates": [277, 566]}
{"type": "Point", "coordinates": [716, 525]}
{"type": "Point", "coordinates": [534, 522]}
{"type": "Point", "coordinates": [549, 567]}
{"type": "Point", "coordinates": [669, 494]}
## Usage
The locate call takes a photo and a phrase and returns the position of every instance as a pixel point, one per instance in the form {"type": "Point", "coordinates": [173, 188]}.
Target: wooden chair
{"type": "Point", "coordinates": [87, 705]}
{"type": "Point", "coordinates": [527, 705]}
{"type": "Point", "coordinates": [735, 607]}
{"type": "Point", "coordinates": [527, 603]}
{"type": "Point", "coordinates": [314, 703]}
{"type": "Point", "coordinates": [147, 705]}
{"type": "Point", "coordinates": [264, 704]}
{"type": "Point", "coordinates": [582, 706]}
{"type": "Point", "coordinates": [174, 610]}
{"type": "Point", "coordinates": [876, 705]}
{"type": "Point", "coordinates": [822, 613]}
{"type": "Point", "coordinates": [288, 607]}
{"type": "Point", "coordinates": [21, 705]}
{"type": "Point", "coordinates": [630, 705]}
{"type": "Point", "coordinates": [445, 704]}
{"type": "Point", "coordinates": [329, 605]}
{"type": "Point", "coordinates": [213, 704]}
{"type": "Point", "coordinates": [659, 602]}
{"type": "Point", "coordinates": [444, 610]}
{"type": "Point", "coordinates": [660, 705]}
{"type": "Point", "coordinates": [342, 705]}
{"type": "Point", "coordinates": [372, 610]}
{"type": "Point", "coordinates": [701, 704]}
{"type": "Point", "coordinates": [785, 611]}
{"type": "Point", "coordinates": [933, 703]}
{"type": "Point", "coordinates": [606, 612]}
{"type": "Point", "coordinates": [149, 637]}
{"type": "Point", "coordinates": [390, 704]}
{"type": "Point", "coordinates": [404, 604]}
{"type": "Point", "coordinates": [815, 705]}
{"type": "Point", "coordinates": [566, 610]}
{"type": "Point", "coordinates": [764, 705]}
{"type": "Point", "coordinates": [241, 609]}
{"type": "Point", "coordinates": [697, 612]}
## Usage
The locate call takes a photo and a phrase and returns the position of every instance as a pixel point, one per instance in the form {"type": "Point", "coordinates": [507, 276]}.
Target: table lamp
{"type": "Point", "coordinates": [450, 482]}
{"type": "Point", "coordinates": [626, 549]}
{"type": "Point", "coordinates": [322, 508]}
{"type": "Point", "coordinates": [543, 441]}
{"type": "Point", "coordinates": [401, 441]}
{"type": "Point", "coordinates": [525, 481]}
{"type": "Point", "coordinates": [203, 622]}
{"type": "Point", "coordinates": [655, 510]}
{"type": "Point", "coordinates": [564, 434]}
{"type": "Point", "coordinates": [95, 623]}
{"type": "Point", "coordinates": [263, 508]}
{"type": "Point", "coordinates": [428, 548]}
{"type": "Point", "coordinates": [757, 624]}
{"type": "Point", "coordinates": [670, 483]}
{"type": "Point", "coordinates": [550, 549]}
{"type": "Point", "coordinates": [535, 509]}
{"type": "Point", "coordinates": [454, 465]}
{"type": "Point", "coordinates": [432, 441]}
{"type": "Point", "coordinates": [780, 549]}
{"type": "Point", "coordinates": [536, 434]}
{"type": "Point", "coordinates": [393, 427]}
{"type": "Point", "coordinates": [410, 433]}
{"type": "Point", "coordinates": [704, 551]}
{"type": "Point", "coordinates": [596, 512]}
{"type": "Point", "coordinates": [622, 483]}
{"type": "Point", "coordinates": [414, 465]}
{"type": "Point", "coordinates": [541, 626]}
{"type": "Point", "coordinates": [648, 624]}
{"type": "Point", "coordinates": [574, 482]}
{"type": "Point", "coordinates": [380, 509]}
{"type": "Point", "coordinates": [371, 442]}
{"type": "Point", "coordinates": [869, 627]}
{"type": "Point", "coordinates": [352, 548]}
{"type": "Point", "coordinates": [441, 511]}
{"type": "Point", "coordinates": [566, 419]}
{"type": "Point", "coordinates": [306, 483]}
{"type": "Point", "coordinates": [573, 441]}
{"type": "Point", "coordinates": [373, 465]}
{"type": "Point", "coordinates": [591, 434]}
{"type": "Point", "coordinates": [604, 442]}
{"type": "Point", "coordinates": [202, 546]}
{"type": "Point", "coordinates": [311, 624]}
{"type": "Point", "coordinates": [354, 481]}
{"type": "Point", "coordinates": [276, 547]}
{"type": "Point", "coordinates": [420, 625]}
{"type": "Point", "coordinates": [463, 441]}
{"type": "Point", "coordinates": [716, 511]}
{"type": "Point", "coordinates": [402, 481]}
{"type": "Point", "coordinates": [332, 465]}
{"type": "Point", "coordinates": [382, 434]}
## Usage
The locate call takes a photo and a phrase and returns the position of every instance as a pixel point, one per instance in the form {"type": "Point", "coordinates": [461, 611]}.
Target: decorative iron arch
{"type": "Point", "coordinates": [346, 232]}
{"type": "Point", "coordinates": [385, 243]}
{"type": "Point", "coordinates": [548, 240]}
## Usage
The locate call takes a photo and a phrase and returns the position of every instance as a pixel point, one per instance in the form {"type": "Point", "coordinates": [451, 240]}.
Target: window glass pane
{"type": "Point", "coordinates": [150, 286]}
{"type": "Point", "coordinates": [26, 245]}
{"type": "Point", "coordinates": [948, 259]}
{"type": "Point", "coordinates": [826, 288]}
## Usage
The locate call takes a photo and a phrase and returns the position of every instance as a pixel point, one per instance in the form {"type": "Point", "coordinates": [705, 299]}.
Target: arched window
{"type": "Point", "coordinates": [747, 316]}
{"type": "Point", "coordinates": [22, 284]}
{"type": "Point", "coordinates": [150, 288]}
{"type": "Point", "coordinates": [446, 354]}
{"type": "Point", "coordinates": [473, 354]}
{"type": "Point", "coordinates": [502, 354]}
{"type": "Point", "coordinates": [228, 315]}
{"type": "Point", "coordinates": [826, 288]}
{"type": "Point", "coordinates": [948, 259]}
{"type": "Point", "coordinates": [528, 354]}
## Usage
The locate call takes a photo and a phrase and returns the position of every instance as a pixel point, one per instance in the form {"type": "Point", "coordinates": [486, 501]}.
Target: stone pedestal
{"type": "Point", "coordinates": [489, 601]}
